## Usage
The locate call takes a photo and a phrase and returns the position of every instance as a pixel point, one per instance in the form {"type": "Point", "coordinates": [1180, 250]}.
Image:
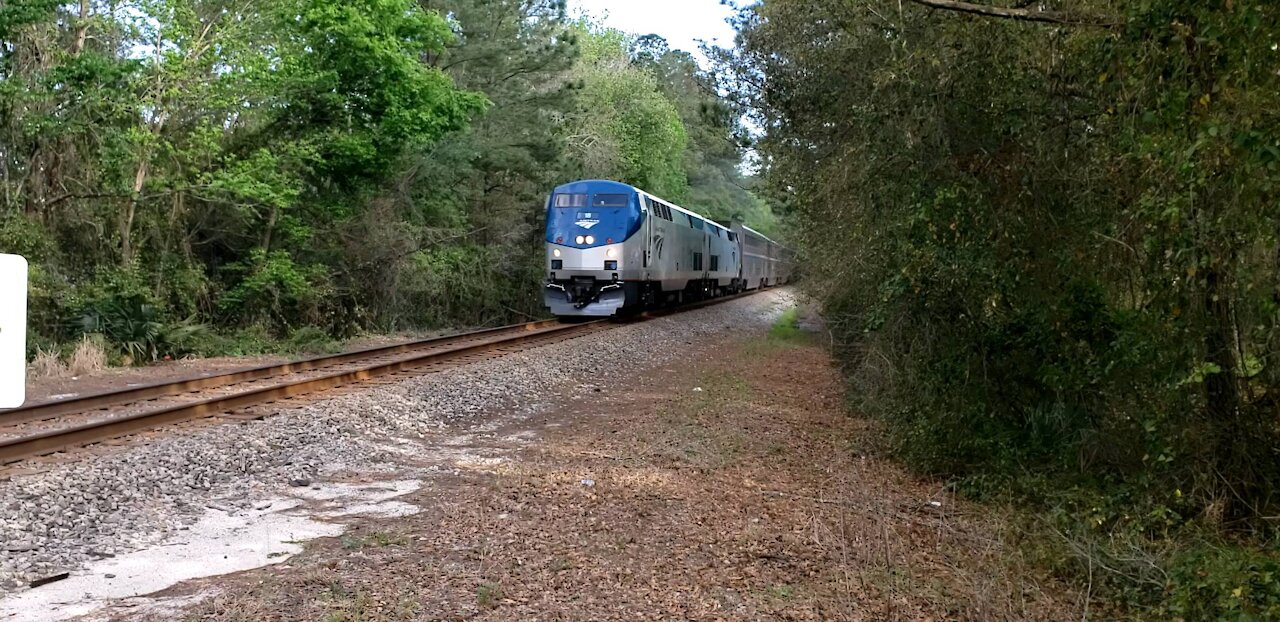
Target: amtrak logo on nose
{"type": "Point", "coordinates": [586, 223]}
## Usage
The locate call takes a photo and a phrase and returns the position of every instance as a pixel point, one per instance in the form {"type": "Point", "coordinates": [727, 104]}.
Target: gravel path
{"type": "Point", "coordinates": [100, 506]}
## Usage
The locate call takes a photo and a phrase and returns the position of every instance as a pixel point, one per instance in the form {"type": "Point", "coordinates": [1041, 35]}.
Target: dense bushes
{"type": "Point", "coordinates": [1050, 257]}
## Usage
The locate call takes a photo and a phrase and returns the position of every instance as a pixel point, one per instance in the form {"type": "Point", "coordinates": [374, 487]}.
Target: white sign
{"type": "Point", "coordinates": [13, 331]}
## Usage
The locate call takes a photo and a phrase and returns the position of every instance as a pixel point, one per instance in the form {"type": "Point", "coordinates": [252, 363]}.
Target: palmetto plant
{"type": "Point", "coordinates": [138, 330]}
{"type": "Point", "coordinates": [132, 324]}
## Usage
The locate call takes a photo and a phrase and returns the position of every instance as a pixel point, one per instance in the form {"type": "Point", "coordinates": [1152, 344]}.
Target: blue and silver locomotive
{"type": "Point", "coordinates": [611, 247]}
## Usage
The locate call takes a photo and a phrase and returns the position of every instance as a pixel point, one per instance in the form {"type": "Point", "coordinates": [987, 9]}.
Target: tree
{"type": "Point", "coordinates": [623, 126]}
{"type": "Point", "coordinates": [184, 134]}
{"type": "Point", "coordinates": [713, 159]}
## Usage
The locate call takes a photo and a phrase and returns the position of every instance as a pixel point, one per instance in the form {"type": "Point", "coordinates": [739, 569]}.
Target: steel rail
{"type": "Point", "coordinates": [51, 409]}
{"type": "Point", "coordinates": [15, 449]}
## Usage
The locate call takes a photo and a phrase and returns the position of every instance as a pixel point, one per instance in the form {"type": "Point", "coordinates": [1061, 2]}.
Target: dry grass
{"type": "Point", "coordinates": [233, 608]}
{"type": "Point", "coordinates": [47, 365]}
{"type": "Point", "coordinates": [90, 356]}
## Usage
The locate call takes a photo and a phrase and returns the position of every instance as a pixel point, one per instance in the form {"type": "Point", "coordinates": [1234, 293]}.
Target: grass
{"type": "Point", "coordinates": [782, 592]}
{"type": "Point", "coordinates": [381, 538]}
{"type": "Point", "coordinates": [785, 333]}
{"type": "Point", "coordinates": [488, 595]}
{"type": "Point", "coordinates": [787, 328]}
{"type": "Point", "coordinates": [377, 538]}
{"type": "Point", "coordinates": [89, 356]}
{"type": "Point", "coordinates": [47, 364]}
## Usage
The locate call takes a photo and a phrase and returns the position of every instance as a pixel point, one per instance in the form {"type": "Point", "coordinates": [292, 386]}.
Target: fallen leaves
{"type": "Point", "coordinates": [740, 501]}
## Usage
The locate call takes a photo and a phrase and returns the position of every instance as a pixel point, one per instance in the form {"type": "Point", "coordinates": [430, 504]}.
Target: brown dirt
{"type": "Point", "coordinates": [729, 487]}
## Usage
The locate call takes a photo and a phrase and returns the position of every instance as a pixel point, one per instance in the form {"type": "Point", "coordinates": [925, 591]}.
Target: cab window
{"type": "Point", "coordinates": [571, 200]}
{"type": "Point", "coordinates": [609, 200]}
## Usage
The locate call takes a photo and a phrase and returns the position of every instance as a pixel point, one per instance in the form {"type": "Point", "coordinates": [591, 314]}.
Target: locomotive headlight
{"type": "Point", "coordinates": [613, 252]}
{"type": "Point", "coordinates": [555, 252]}
{"type": "Point", "coordinates": [580, 240]}
{"type": "Point", "coordinates": [591, 240]}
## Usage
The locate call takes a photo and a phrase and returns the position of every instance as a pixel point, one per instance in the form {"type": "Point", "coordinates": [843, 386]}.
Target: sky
{"type": "Point", "coordinates": [681, 22]}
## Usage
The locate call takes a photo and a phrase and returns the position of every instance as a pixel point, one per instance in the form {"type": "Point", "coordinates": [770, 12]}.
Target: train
{"type": "Point", "coordinates": [613, 248]}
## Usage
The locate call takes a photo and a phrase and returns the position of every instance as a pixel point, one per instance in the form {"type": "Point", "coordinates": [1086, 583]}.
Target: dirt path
{"type": "Point", "coordinates": [731, 487]}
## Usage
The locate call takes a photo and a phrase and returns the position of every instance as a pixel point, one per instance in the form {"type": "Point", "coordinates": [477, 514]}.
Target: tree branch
{"type": "Point", "coordinates": [1020, 14]}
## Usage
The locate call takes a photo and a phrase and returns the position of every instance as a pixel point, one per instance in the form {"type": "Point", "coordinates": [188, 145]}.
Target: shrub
{"type": "Point", "coordinates": [131, 324]}
{"type": "Point", "coordinates": [1222, 582]}
{"type": "Point", "coordinates": [310, 339]}
{"type": "Point", "coordinates": [277, 292]}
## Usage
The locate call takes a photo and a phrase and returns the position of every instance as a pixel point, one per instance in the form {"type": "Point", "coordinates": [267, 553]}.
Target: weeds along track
{"type": "Point", "coordinates": [60, 425]}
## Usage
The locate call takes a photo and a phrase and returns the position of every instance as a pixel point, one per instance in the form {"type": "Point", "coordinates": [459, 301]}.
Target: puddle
{"type": "Point", "coordinates": [219, 543]}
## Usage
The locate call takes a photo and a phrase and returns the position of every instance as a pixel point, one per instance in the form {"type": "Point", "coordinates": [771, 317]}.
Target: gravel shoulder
{"type": "Point", "coordinates": [719, 481]}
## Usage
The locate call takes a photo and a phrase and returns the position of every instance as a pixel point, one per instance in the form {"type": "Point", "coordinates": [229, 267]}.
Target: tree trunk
{"type": "Point", "coordinates": [82, 33]}
{"type": "Point", "coordinates": [131, 209]}
{"type": "Point", "coordinates": [269, 228]}
{"type": "Point", "coordinates": [1223, 393]}
{"type": "Point", "coordinates": [1225, 409]}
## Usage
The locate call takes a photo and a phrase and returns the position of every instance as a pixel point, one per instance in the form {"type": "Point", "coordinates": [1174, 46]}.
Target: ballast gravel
{"type": "Point", "coordinates": [99, 506]}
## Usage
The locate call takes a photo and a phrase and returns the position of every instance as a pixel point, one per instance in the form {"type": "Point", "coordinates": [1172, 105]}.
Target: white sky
{"type": "Point", "coordinates": [681, 22]}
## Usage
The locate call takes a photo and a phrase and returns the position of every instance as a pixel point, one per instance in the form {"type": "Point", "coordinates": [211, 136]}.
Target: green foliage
{"type": "Point", "coordinates": [121, 306]}
{"type": "Point", "coordinates": [276, 291]}
{"type": "Point", "coordinates": [786, 327]}
{"type": "Point", "coordinates": [282, 167]}
{"type": "Point", "coordinates": [1222, 583]}
{"type": "Point", "coordinates": [364, 70]}
{"type": "Point", "coordinates": [18, 14]}
{"type": "Point", "coordinates": [22, 236]}
{"type": "Point", "coordinates": [625, 128]}
{"type": "Point", "coordinates": [1048, 256]}
{"type": "Point", "coordinates": [310, 339]}
{"type": "Point", "coordinates": [716, 137]}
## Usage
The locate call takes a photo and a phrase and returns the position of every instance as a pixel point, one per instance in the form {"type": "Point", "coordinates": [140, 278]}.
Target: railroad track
{"type": "Point", "coordinates": [60, 425]}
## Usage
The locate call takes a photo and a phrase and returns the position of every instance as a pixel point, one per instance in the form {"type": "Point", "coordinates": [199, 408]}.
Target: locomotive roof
{"type": "Point", "coordinates": [589, 185]}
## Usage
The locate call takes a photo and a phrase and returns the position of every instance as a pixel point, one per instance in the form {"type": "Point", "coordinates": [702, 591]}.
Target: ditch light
{"type": "Point", "coordinates": [13, 331]}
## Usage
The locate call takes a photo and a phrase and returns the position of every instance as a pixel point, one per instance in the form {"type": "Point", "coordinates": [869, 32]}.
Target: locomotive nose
{"type": "Point", "coordinates": [592, 260]}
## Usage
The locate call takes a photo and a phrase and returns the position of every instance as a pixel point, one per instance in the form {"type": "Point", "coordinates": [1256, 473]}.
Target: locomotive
{"type": "Point", "coordinates": [612, 247]}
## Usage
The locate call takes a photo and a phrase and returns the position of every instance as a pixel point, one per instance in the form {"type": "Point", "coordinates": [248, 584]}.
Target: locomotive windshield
{"type": "Point", "coordinates": [571, 200]}
{"type": "Point", "coordinates": [596, 212]}
{"type": "Point", "coordinates": [610, 200]}
{"type": "Point", "coordinates": [576, 199]}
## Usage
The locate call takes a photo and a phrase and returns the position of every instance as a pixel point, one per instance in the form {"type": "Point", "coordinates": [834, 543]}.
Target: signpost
{"type": "Point", "coordinates": [13, 331]}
